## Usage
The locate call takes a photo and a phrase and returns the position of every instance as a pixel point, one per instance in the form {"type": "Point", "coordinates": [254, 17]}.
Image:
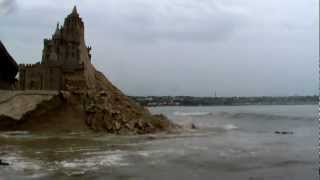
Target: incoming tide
{"type": "Point", "coordinates": [230, 142]}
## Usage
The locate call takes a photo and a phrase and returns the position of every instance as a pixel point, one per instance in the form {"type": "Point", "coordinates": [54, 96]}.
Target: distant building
{"type": "Point", "coordinates": [8, 69]}
{"type": "Point", "coordinates": [66, 60]}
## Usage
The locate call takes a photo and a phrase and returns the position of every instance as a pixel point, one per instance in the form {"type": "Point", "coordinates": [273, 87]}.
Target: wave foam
{"type": "Point", "coordinates": [243, 115]}
{"type": "Point", "coordinates": [108, 158]}
{"type": "Point", "coordinates": [19, 163]}
{"type": "Point", "coordinates": [229, 127]}
{"type": "Point", "coordinates": [179, 113]}
{"type": "Point", "coordinates": [257, 116]}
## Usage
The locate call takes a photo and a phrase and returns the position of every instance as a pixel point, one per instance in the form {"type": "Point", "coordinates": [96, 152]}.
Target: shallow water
{"type": "Point", "coordinates": [236, 142]}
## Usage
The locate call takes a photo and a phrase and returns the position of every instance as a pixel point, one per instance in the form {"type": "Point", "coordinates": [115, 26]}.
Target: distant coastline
{"type": "Point", "coordinates": [223, 101]}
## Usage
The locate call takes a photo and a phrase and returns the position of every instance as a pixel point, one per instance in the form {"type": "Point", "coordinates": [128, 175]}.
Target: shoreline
{"type": "Point", "coordinates": [233, 105]}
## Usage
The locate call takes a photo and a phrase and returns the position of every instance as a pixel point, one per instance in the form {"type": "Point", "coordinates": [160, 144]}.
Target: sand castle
{"type": "Point", "coordinates": [64, 92]}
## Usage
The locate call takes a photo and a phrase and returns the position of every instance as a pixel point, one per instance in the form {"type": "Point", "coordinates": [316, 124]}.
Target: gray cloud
{"type": "Point", "coordinates": [7, 6]}
{"type": "Point", "coordinates": [184, 47]}
{"type": "Point", "coordinates": [189, 21]}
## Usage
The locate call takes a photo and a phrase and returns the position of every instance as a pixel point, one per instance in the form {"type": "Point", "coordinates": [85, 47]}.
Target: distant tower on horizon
{"type": "Point", "coordinates": [214, 93]}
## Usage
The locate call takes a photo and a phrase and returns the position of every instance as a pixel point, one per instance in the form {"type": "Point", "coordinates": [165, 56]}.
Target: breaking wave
{"type": "Point", "coordinates": [229, 127]}
{"type": "Point", "coordinates": [243, 115]}
{"type": "Point", "coordinates": [224, 127]}
{"type": "Point", "coordinates": [258, 116]}
{"type": "Point", "coordinates": [179, 113]}
{"type": "Point", "coordinates": [20, 163]}
{"type": "Point", "coordinates": [107, 158]}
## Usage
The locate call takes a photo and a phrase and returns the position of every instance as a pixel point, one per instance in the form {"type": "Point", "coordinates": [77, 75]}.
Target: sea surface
{"type": "Point", "coordinates": [231, 143]}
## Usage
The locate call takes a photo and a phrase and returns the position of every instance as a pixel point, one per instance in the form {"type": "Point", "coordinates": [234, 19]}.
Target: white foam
{"type": "Point", "coordinates": [233, 153]}
{"type": "Point", "coordinates": [113, 160]}
{"type": "Point", "coordinates": [105, 152]}
{"type": "Point", "coordinates": [230, 127]}
{"type": "Point", "coordinates": [144, 153]}
{"type": "Point", "coordinates": [108, 158]}
{"type": "Point", "coordinates": [160, 156]}
{"type": "Point", "coordinates": [161, 153]}
{"type": "Point", "coordinates": [179, 113]}
{"type": "Point", "coordinates": [70, 150]}
{"type": "Point", "coordinates": [66, 164]}
{"type": "Point", "coordinates": [75, 173]}
{"type": "Point", "coordinates": [204, 125]}
{"type": "Point", "coordinates": [21, 164]}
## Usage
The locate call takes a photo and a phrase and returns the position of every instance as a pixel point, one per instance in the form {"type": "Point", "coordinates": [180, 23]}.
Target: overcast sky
{"type": "Point", "coordinates": [182, 47]}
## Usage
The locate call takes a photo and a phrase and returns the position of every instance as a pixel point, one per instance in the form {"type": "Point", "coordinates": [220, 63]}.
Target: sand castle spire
{"type": "Point", "coordinates": [57, 28]}
{"type": "Point", "coordinates": [75, 11]}
{"type": "Point", "coordinates": [58, 25]}
{"type": "Point", "coordinates": [57, 33]}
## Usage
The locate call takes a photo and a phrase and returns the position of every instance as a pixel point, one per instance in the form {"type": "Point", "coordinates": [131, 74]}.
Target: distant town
{"type": "Point", "coordinates": [223, 101]}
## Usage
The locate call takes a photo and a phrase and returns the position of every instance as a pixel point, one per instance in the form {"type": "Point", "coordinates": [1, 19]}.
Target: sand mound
{"type": "Point", "coordinates": [101, 109]}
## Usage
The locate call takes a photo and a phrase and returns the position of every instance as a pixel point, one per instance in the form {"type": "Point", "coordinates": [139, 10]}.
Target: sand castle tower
{"type": "Point", "coordinates": [66, 60]}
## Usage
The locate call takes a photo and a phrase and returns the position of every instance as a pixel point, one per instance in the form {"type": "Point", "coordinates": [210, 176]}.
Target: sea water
{"type": "Point", "coordinates": [230, 142]}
